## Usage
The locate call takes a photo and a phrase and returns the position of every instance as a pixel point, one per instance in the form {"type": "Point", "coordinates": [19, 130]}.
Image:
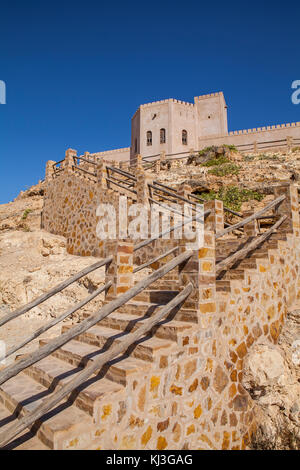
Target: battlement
{"type": "Point", "coordinates": [170, 100]}
{"type": "Point", "coordinates": [266, 128]}
{"type": "Point", "coordinates": [110, 152]}
{"type": "Point", "coordinates": [210, 95]}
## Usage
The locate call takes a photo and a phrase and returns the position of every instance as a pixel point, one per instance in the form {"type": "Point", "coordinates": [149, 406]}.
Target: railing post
{"type": "Point", "coordinates": [255, 146]}
{"type": "Point", "coordinates": [201, 271]}
{"type": "Point", "coordinates": [69, 159]}
{"type": "Point", "coordinates": [183, 190]}
{"type": "Point", "coordinates": [250, 229]}
{"type": "Point", "coordinates": [101, 175]}
{"type": "Point", "coordinates": [215, 220]}
{"type": "Point", "coordinates": [162, 156]}
{"type": "Point", "coordinates": [157, 166]}
{"type": "Point", "coordinates": [289, 142]}
{"type": "Point", "coordinates": [49, 170]}
{"type": "Point", "coordinates": [141, 182]}
{"type": "Point", "coordinates": [120, 270]}
{"type": "Point", "coordinates": [289, 207]}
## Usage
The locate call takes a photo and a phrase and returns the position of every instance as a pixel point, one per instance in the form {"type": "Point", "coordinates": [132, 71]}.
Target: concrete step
{"type": "Point", "coordinates": [102, 337]}
{"type": "Point", "coordinates": [25, 440]}
{"type": "Point", "coordinates": [80, 354]}
{"type": "Point", "coordinates": [167, 329]}
{"type": "Point", "coordinates": [64, 427]}
{"type": "Point", "coordinates": [54, 373]}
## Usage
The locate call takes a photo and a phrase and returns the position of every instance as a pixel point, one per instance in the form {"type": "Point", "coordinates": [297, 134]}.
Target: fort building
{"type": "Point", "coordinates": [177, 127]}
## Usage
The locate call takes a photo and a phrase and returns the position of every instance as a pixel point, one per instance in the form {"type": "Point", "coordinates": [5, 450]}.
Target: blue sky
{"type": "Point", "coordinates": [76, 71]}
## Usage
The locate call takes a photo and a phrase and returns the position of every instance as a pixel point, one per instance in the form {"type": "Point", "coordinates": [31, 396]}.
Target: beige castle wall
{"type": "Point", "coordinates": [135, 134]}
{"type": "Point", "coordinates": [211, 115]}
{"type": "Point", "coordinates": [120, 155]}
{"type": "Point", "coordinates": [207, 116]}
{"type": "Point", "coordinates": [150, 122]}
{"type": "Point", "coordinates": [205, 121]}
{"type": "Point", "coordinates": [259, 135]}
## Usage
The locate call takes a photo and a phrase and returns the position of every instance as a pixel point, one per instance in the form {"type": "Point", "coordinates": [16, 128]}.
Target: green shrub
{"type": "Point", "coordinates": [224, 170]}
{"type": "Point", "coordinates": [231, 147]}
{"type": "Point", "coordinates": [296, 149]}
{"type": "Point", "coordinates": [232, 196]}
{"type": "Point", "coordinates": [206, 150]}
{"type": "Point", "coordinates": [25, 215]}
{"type": "Point", "coordinates": [248, 158]}
{"type": "Point", "coordinates": [263, 156]}
{"type": "Point", "coordinates": [216, 161]}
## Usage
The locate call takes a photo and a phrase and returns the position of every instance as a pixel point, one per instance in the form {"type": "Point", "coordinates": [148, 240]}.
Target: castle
{"type": "Point", "coordinates": [177, 127]}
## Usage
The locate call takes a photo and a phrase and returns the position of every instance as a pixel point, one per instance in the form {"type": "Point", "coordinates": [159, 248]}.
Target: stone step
{"type": "Point", "coordinates": [247, 263]}
{"type": "Point", "coordinates": [164, 284]}
{"type": "Point", "coordinates": [234, 274]}
{"type": "Point", "coordinates": [102, 337]}
{"type": "Point", "coordinates": [25, 440]}
{"type": "Point", "coordinates": [222, 285]}
{"type": "Point", "coordinates": [168, 329]}
{"type": "Point", "coordinates": [134, 307]}
{"type": "Point", "coordinates": [156, 296]}
{"type": "Point", "coordinates": [54, 373]}
{"type": "Point", "coordinates": [65, 427]}
{"type": "Point", "coordinates": [263, 249]}
{"type": "Point", "coordinates": [80, 354]}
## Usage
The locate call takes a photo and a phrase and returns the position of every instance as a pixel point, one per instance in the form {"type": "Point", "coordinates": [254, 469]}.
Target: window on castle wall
{"type": "Point", "coordinates": [149, 138]}
{"type": "Point", "coordinates": [163, 136]}
{"type": "Point", "coordinates": [135, 146]}
{"type": "Point", "coordinates": [184, 137]}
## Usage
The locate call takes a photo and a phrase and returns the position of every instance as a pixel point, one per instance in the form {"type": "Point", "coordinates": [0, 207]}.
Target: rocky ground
{"type": "Point", "coordinates": [272, 377]}
{"type": "Point", "coordinates": [33, 261]}
{"type": "Point", "coordinates": [254, 170]}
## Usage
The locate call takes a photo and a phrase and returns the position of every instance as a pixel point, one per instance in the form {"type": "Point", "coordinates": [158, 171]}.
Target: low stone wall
{"type": "Point", "coordinates": [192, 397]}
{"type": "Point", "coordinates": [258, 139]}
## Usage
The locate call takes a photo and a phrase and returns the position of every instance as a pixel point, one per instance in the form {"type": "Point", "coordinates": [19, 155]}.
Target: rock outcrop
{"type": "Point", "coordinates": [272, 377]}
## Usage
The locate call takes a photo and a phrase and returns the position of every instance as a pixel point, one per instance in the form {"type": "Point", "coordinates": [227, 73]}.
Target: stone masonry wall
{"type": "Point", "coordinates": [191, 396]}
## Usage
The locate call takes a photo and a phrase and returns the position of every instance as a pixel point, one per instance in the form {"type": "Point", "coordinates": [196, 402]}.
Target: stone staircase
{"type": "Point", "coordinates": [225, 248]}
{"type": "Point", "coordinates": [78, 424]}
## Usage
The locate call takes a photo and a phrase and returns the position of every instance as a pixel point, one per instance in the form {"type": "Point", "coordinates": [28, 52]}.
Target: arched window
{"type": "Point", "coordinates": [184, 137]}
{"type": "Point", "coordinates": [163, 136]}
{"type": "Point", "coordinates": [149, 138]}
{"type": "Point", "coordinates": [135, 146]}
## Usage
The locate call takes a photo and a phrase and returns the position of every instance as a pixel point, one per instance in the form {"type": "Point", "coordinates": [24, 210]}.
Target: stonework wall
{"type": "Point", "coordinates": [70, 205]}
{"type": "Point", "coordinates": [192, 396]}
